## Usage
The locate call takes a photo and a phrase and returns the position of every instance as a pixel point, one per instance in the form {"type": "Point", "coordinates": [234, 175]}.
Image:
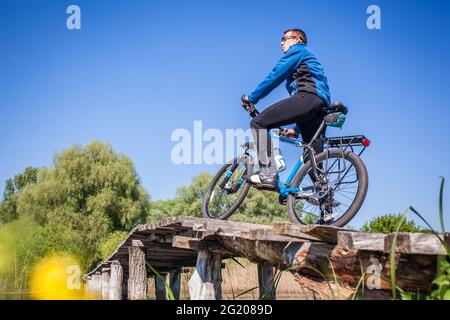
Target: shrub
{"type": "Point", "coordinates": [388, 224]}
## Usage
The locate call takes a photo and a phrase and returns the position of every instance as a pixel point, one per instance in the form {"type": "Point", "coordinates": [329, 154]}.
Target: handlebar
{"type": "Point", "coordinates": [253, 113]}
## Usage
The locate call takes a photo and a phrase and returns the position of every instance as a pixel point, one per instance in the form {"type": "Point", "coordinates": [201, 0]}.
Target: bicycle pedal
{"type": "Point", "coordinates": [282, 200]}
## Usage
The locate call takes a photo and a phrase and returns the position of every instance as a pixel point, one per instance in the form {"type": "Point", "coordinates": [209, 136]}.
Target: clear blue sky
{"type": "Point", "coordinates": [137, 70]}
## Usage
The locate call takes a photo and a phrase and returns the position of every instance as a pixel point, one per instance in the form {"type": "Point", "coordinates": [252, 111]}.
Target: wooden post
{"type": "Point", "coordinates": [94, 286]}
{"type": "Point", "coordinates": [115, 281]}
{"type": "Point", "coordinates": [125, 287]}
{"type": "Point", "coordinates": [137, 280]}
{"type": "Point", "coordinates": [160, 287]}
{"type": "Point", "coordinates": [266, 281]}
{"type": "Point", "coordinates": [206, 282]}
{"type": "Point", "coordinates": [174, 283]}
{"type": "Point", "coordinates": [105, 284]}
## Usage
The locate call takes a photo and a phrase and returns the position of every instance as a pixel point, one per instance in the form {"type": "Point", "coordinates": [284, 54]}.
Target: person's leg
{"type": "Point", "coordinates": [296, 109]}
{"type": "Point", "coordinates": [308, 129]}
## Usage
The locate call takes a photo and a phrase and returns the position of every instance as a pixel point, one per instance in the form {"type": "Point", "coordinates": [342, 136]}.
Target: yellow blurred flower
{"type": "Point", "coordinates": [57, 277]}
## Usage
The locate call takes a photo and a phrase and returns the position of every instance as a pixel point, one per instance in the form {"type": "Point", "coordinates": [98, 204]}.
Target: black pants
{"type": "Point", "coordinates": [303, 109]}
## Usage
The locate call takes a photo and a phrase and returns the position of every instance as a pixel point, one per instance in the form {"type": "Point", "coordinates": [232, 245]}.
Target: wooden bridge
{"type": "Point", "coordinates": [332, 262]}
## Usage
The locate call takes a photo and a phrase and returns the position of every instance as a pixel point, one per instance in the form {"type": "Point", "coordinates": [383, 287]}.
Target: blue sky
{"type": "Point", "coordinates": [137, 70]}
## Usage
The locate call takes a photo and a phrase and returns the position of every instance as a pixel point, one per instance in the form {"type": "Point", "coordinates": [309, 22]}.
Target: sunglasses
{"type": "Point", "coordinates": [287, 38]}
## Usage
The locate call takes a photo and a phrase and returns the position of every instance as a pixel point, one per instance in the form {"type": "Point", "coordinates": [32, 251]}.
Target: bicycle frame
{"type": "Point", "coordinates": [283, 188]}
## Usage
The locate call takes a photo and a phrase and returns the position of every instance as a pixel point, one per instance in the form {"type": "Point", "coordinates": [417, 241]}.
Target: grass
{"type": "Point", "coordinates": [442, 280]}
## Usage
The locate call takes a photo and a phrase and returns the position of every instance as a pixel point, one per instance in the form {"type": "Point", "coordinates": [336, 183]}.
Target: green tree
{"type": "Point", "coordinates": [258, 207]}
{"type": "Point", "coordinates": [90, 192]}
{"type": "Point", "coordinates": [8, 206]}
{"type": "Point", "coordinates": [110, 243]}
{"type": "Point", "coordinates": [21, 245]}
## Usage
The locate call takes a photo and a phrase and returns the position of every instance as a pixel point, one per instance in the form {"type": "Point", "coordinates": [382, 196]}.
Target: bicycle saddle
{"type": "Point", "coordinates": [336, 107]}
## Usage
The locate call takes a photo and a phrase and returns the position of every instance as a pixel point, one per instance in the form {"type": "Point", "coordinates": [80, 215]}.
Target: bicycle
{"type": "Point", "coordinates": [314, 192]}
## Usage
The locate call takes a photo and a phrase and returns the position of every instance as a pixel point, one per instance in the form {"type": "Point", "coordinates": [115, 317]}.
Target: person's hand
{"type": "Point", "coordinates": [290, 133]}
{"type": "Point", "coordinates": [246, 104]}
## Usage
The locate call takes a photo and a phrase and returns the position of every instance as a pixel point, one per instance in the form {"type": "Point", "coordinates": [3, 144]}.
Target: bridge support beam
{"type": "Point", "coordinates": [266, 281]}
{"type": "Point", "coordinates": [160, 287]}
{"type": "Point", "coordinates": [116, 281]}
{"type": "Point", "coordinates": [94, 286]}
{"type": "Point", "coordinates": [105, 283]}
{"type": "Point", "coordinates": [206, 282]}
{"type": "Point", "coordinates": [175, 283]}
{"type": "Point", "coordinates": [137, 280]}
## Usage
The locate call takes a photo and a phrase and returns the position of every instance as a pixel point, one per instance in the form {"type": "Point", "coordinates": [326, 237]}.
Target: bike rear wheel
{"type": "Point", "coordinates": [227, 189]}
{"type": "Point", "coordinates": [338, 194]}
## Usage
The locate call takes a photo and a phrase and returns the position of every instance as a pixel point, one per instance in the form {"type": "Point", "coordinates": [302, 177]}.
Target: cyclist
{"type": "Point", "coordinates": [308, 87]}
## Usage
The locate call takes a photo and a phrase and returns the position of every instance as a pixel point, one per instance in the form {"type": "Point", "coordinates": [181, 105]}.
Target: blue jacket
{"type": "Point", "coordinates": [302, 72]}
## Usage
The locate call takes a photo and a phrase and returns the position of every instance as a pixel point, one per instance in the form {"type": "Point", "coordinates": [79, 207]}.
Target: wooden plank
{"type": "Point", "coordinates": [137, 243]}
{"type": "Point", "coordinates": [292, 230]}
{"type": "Point", "coordinates": [209, 224]}
{"type": "Point", "coordinates": [416, 243]}
{"type": "Point", "coordinates": [323, 233]}
{"type": "Point", "coordinates": [264, 234]}
{"type": "Point", "coordinates": [268, 235]}
{"type": "Point", "coordinates": [185, 243]}
{"type": "Point", "coordinates": [413, 272]}
{"type": "Point", "coordinates": [196, 244]}
{"type": "Point", "coordinates": [270, 251]}
{"type": "Point", "coordinates": [361, 241]}
{"type": "Point", "coordinates": [407, 243]}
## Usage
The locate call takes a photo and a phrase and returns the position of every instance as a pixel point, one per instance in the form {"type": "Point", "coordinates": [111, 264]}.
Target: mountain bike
{"type": "Point", "coordinates": [328, 189]}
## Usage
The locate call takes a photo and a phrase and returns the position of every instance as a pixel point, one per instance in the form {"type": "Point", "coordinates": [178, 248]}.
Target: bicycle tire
{"type": "Point", "coordinates": [246, 187]}
{"type": "Point", "coordinates": [363, 184]}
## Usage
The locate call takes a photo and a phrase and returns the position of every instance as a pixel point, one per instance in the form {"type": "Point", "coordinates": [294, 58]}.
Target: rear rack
{"type": "Point", "coordinates": [345, 141]}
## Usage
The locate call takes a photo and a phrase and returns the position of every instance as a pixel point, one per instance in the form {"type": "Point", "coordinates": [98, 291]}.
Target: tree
{"type": "Point", "coordinates": [110, 243]}
{"type": "Point", "coordinates": [389, 223]}
{"type": "Point", "coordinates": [258, 207]}
{"type": "Point", "coordinates": [21, 245]}
{"type": "Point", "coordinates": [8, 207]}
{"type": "Point", "coordinates": [90, 192]}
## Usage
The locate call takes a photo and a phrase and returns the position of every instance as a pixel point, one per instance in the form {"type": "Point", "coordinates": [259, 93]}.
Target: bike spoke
{"type": "Point", "coordinates": [338, 190]}
{"type": "Point", "coordinates": [222, 199]}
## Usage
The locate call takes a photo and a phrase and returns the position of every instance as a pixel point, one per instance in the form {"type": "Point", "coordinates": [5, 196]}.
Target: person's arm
{"type": "Point", "coordinates": [281, 72]}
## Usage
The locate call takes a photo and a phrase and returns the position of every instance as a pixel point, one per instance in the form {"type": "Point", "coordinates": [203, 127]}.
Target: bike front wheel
{"type": "Point", "coordinates": [337, 195]}
{"type": "Point", "coordinates": [227, 189]}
